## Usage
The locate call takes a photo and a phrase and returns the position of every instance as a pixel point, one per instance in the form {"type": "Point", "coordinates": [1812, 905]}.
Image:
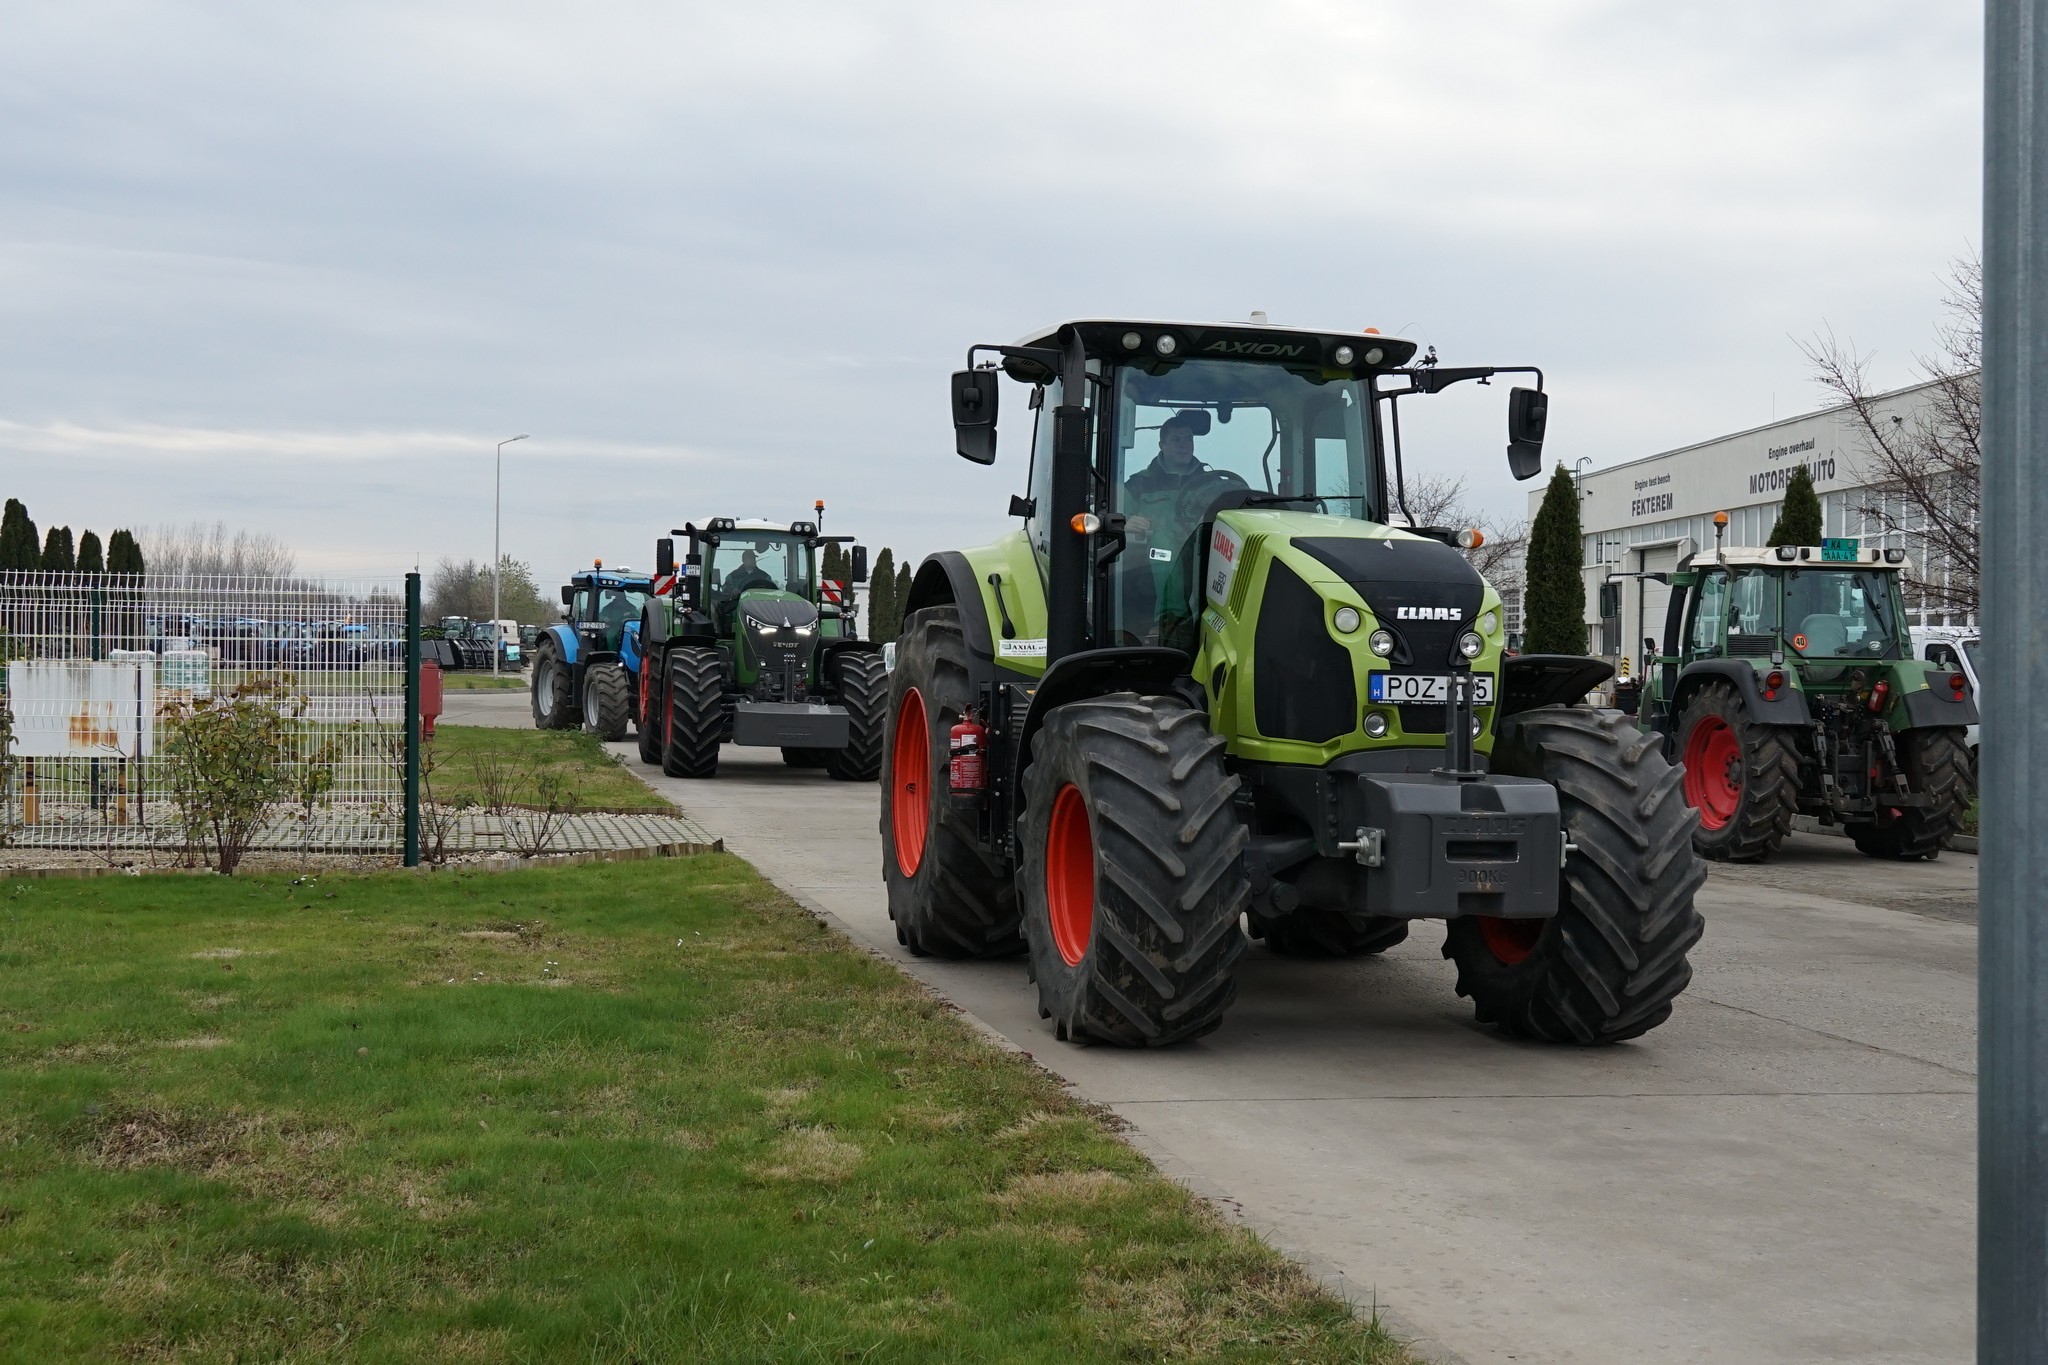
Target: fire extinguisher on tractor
{"type": "Point", "coordinates": [967, 752]}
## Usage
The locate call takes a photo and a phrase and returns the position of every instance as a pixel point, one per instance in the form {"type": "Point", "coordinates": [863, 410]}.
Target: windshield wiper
{"type": "Point", "coordinates": [1273, 499]}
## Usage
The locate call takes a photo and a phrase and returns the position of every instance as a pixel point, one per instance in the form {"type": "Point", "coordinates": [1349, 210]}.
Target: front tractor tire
{"type": "Point", "coordinates": [1938, 763]}
{"type": "Point", "coordinates": [1132, 877]}
{"type": "Point", "coordinates": [948, 896]}
{"type": "Point", "coordinates": [695, 713]}
{"type": "Point", "coordinates": [1608, 965]}
{"type": "Point", "coordinates": [649, 727]}
{"type": "Point", "coordinates": [551, 688]}
{"type": "Point", "coordinates": [1742, 778]}
{"type": "Point", "coordinates": [863, 687]}
{"type": "Point", "coordinates": [607, 701]}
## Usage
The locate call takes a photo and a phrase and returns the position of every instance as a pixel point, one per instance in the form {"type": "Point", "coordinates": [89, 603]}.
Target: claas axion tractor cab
{"type": "Point", "coordinates": [1786, 684]}
{"type": "Point", "coordinates": [1209, 679]}
{"type": "Point", "coordinates": [745, 645]}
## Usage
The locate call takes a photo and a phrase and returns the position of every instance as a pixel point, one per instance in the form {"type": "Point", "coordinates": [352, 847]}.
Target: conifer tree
{"type": "Point", "coordinates": [19, 546]}
{"type": "Point", "coordinates": [58, 554]}
{"type": "Point", "coordinates": [91, 558]}
{"type": "Point", "coordinates": [1554, 604]}
{"type": "Point", "coordinates": [902, 596]}
{"type": "Point", "coordinates": [882, 618]}
{"type": "Point", "coordinates": [123, 554]}
{"type": "Point", "coordinates": [1799, 521]}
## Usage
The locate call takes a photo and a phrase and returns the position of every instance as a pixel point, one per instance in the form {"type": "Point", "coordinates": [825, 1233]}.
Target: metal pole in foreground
{"type": "Point", "coordinates": [412, 719]}
{"type": "Point", "coordinates": [497, 575]}
{"type": "Point", "coordinates": [2012, 972]}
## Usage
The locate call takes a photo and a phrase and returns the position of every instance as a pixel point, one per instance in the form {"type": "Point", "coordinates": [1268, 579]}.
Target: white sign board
{"type": "Point", "coordinates": [79, 708]}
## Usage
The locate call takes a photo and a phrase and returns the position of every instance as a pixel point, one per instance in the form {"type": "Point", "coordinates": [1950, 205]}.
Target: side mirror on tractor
{"type": "Point", "coordinates": [1528, 415]}
{"type": "Point", "coordinates": [568, 595]}
{"type": "Point", "coordinates": [974, 415]}
{"type": "Point", "coordinates": [664, 557]}
{"type": "Point", "coordinates": [858, 570]}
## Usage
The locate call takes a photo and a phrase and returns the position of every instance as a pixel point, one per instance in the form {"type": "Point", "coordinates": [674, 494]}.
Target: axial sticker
{"type": "Point", "coordinates": [1021, 649]}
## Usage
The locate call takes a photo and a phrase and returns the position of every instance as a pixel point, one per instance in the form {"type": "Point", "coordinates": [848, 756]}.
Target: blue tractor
{"type": "Point", "coordinates": [587, 668]}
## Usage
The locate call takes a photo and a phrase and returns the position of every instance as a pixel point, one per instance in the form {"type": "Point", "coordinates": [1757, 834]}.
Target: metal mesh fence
{"type": "Point", "coordinates": [132, 704]}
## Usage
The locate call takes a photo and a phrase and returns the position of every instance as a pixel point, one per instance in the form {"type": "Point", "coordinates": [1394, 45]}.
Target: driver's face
{"type": "Point", "coordinates": [1177, 446]}
{"type": "Point", "coordinates": [747, 559]}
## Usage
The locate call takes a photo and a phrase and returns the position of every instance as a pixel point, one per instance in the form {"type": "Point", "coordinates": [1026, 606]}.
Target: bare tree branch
{"type": "Point", "coordinates": [1924, 467]}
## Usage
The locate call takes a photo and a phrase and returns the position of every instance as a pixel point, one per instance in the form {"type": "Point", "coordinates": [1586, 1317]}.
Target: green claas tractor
{"type": "Point", "coordinates": [742, 644]}
{"type": "Point", "coordinates": [1787, 685]}
{"type": "Point", "coordinates": [1208, 682]}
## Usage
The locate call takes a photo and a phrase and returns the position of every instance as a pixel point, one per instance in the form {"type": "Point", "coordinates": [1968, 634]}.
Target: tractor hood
{"type": "Point", "coordinates": [774, 611]}
{"type": "Point", "coordinates": [1423, 591]}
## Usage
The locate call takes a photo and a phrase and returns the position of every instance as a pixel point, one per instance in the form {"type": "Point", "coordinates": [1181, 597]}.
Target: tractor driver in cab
{"type": "Point", "coordinates": [748, 576]}
{"type": "Point", "coordinates": [1163, 504]}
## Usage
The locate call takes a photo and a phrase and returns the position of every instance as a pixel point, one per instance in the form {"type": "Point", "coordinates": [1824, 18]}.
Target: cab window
{"type": "Point", "coordinates": [1709, 614]}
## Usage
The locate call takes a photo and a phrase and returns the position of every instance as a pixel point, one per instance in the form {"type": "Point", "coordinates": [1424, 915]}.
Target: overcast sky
{"type": "Point", "coordinates": [300, 266]}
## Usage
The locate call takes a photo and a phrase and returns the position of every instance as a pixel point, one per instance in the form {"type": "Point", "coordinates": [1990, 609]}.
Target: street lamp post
{"type": "Point", "coordinates": [497, 556]}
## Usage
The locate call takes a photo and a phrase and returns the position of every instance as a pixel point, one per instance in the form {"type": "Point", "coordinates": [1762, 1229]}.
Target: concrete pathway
{"type": "Point", "coordinates": [1783, 1173]}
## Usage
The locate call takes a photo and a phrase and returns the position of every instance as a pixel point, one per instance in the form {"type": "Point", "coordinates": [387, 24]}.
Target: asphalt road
{"type": "Point", "coordinates": [1784, 1172]}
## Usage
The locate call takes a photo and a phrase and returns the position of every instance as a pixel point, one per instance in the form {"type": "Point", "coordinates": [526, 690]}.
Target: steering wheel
{"type": "Point", "coordinates": [1195, 501]}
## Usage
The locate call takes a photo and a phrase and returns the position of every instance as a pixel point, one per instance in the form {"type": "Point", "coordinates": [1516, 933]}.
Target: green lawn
{"type": "Point", "coordinates": [469, 759]}
{"type": "Point", "coordinates": [638, 1112]}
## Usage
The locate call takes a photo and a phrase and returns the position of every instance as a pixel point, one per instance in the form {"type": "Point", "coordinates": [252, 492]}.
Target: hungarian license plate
{"type": "Point", "coordinates": [1841, 548]}
{"type": "Point", "coordinates": [1427, 687]}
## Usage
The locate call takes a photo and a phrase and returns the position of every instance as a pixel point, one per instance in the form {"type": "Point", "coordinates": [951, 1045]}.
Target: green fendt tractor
{"type": "Point", "coordinates": [1787, 685]}
{"type": "Point", "coordinates": [1207, 679]}
{"type": "Point", "coordinates": [745, 646]}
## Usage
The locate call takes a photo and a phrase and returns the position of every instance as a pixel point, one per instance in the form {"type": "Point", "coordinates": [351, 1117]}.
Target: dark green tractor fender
{"type": "Point", "coordinates": [1936, 706]}
{"type": "Point", "coordinates": [1787, 708]}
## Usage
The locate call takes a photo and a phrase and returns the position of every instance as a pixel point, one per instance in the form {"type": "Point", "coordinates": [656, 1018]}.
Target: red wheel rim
{"type": "Point", "coordinates": [1713, 771]}
{"type": "Point", "coordinates": [1510, 940]}
{"type": "Point", "coordinates": [910, 772]}
{"type": "Point", "coordinates": [1070, 875]}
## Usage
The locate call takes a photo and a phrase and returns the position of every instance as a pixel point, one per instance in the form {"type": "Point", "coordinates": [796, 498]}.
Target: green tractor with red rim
{"type": "Point", "coordinates": [1786, 685]}
{"type": "Point", "coordinates": [1209, 686]}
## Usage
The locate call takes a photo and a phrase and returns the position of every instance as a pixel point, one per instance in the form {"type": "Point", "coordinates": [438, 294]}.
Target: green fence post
{"type": "Point", "coordinates": [412, 720]}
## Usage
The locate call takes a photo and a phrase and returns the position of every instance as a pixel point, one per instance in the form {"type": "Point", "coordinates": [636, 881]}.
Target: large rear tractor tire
{"type": "Point", "coordinates": [651, 725]}
{"type": "Point", "coordinates": [1937, 762]}
{"type": "Point", "coordinates": [1607, 967]}
{"type": "Point", "coordinates": [607, 701]}
{"type": "Point", "coordinates": [1742, 778]}
{"type": "Point", "coordinates": [1329, 933]}
{"type": "Point", "coordinates": [863, 687]}
{"type": "Point", "coordinates": [948, 895]}
{"type": "Point", "coordinates": [696, 713]}
{"type": "Point", "coordinates": [550, 691]}
{"type": "Point", "coordinates": [1133, 874]}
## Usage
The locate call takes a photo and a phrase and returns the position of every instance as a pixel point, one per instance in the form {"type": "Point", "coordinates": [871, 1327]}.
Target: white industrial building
{"type": "Point", "coordinates": [1642, 517]}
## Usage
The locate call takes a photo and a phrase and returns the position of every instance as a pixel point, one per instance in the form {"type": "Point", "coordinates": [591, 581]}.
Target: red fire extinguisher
{"type": "Point", "coordinates": [968, 770]}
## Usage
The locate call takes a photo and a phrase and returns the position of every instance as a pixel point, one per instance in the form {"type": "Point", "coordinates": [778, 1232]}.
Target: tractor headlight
{"type": "Point", "coordinates": [1489, 623]}
{"type": "Point", "coordinates": [1375, 725]}
{"type": "Point", "coordinates": [1342, 355]}
{"type": "Point", "coordinates": [1345, 619]}
{"type": "Point", "coordinates": [1469, 645]}
{"type": "Point", "coordinates": [1381, 642]}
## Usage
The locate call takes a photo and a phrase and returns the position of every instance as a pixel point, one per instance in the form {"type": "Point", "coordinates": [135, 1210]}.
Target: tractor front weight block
{"type": "Point", "coordinates": [1412, 845]}
{"type": "Point", "coordinates": [793, 725]}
